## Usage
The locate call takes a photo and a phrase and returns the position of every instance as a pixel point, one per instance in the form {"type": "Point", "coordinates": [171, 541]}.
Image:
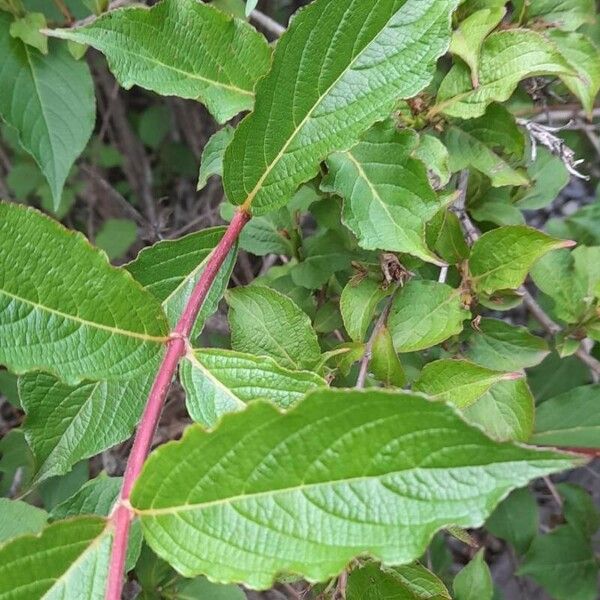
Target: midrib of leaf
{"type": "Point", "coordinates": [268, 333]}
{"type": "Point", "coordinates": [376, 195]}
{"type": "Point", "coordinates": [539, 434]}
{"type": "Point", "coordinates": [198, 365]}
{"type": "Point", "coordinates": [188, 74]}
{"type": "Point", "coordinates": [302, 487]}
{"type": "Point", "coordinates": [298, 488]}
{"type": "Point", "coordinates": [490, 380]}
{"type": "Point", "coordinates": [41, 470]}
{"type": "Point", "coordinates": [438, 308]}
{"type": "Point", "coordinates": [91, 324]}
{"type": "Point", "coordinates": [250, 198]}
{"type": "Point", "coordinates": [42, 107]}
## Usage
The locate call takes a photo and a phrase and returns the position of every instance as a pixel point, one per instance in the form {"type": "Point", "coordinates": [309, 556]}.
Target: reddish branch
{"type": "Point", "coordinates": [176, 349]}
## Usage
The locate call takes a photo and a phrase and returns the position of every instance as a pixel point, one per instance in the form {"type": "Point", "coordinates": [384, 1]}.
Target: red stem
{"type": "Point", "coordinates": [176, 349]}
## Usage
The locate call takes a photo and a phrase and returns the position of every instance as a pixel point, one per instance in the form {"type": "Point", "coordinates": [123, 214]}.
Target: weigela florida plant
{"type": "Point", "coordinates": [373, 394]}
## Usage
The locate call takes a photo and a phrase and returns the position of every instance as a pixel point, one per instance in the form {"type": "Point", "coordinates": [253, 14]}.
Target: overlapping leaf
{"type": "Point", "coordinates": [339, 68]}
{"type": "Point", "coordinates": [221, 381]}
{"type": "Point", "coordinates": [425, 313]}
{"type": "Point", "coordinates": [339, 475]}
{"type": "Point", "coordinates": [358, 303]}
{"type": "Point", "coordinates": [387, 195]}
{"type": "Point", "coordinates": [507, 57]}
{"type": "Point", "coordinates": [69, 560]}
{"type": "Point", "coordinates": [267, 323]}
{"type": "Point", "coordinates": [181, 48]}
{"type": "Point", "coordinates": [49, 100]}
{"type": "Point", "coordinates": [170, 269]}
{"type": "Point", "coordinates": [63, 308]}
{"type": "Point", "coordinates": [501, 258]}
{"type": "Point", "coordinates": [565, 14]}
{"type": "Point", "coordinates": [458, 381]}
{"type": "Point", "coordinates": [66, 424]}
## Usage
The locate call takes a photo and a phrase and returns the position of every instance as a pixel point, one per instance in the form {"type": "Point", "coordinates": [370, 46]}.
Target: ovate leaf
{"type": "Point", "coordinates": [212, 155]}
{"type": "Point", "coordinates": [66, 424]}
{"type": "Point", "coordinates": [65, 309]}
{"type": "Point", "coordinates": [507, 57]}
{"type": "Point", "coordinates": [221, 381]}
{"type": "Point", "coordinates": [501, 346]}
{"type": "Point", "coordinates": [425, 313]}
{"type": "Point", "coordinates": [387, 195]}
{"type": "Point", "coordinates": [458, 381]}
{"type": "Point", "coordinates": [358, 303]}
{"type": "Point", "coordinates": [570, 419]}
{"type": "Point", "coordinates": [49, 100]}
{"type": "Point", "coordinates": [579, 508]}
{"type": "Point", "coordinates": [368, 54]}
{"type": "Point", "coordinates": [19, 518]}
{"type": "Point", "coordinates": [500, 259]}
{"type": "Point", "coordinates": [268, 323]}
{"type": "Point", "coordinates": [434, 155]}
{"type": "Point", "coordinates": [340, 460]}
{"type": "Point", "coordinates": [474, 582]}
{"type": "Point", "coordinates": [489, 144]}
{"type": "Point", "coordinates": [468, 38]}
{"type": "Point", "coordinates": [69, 560]}
{"type": "Point", "coordinates": [584, 58]}
{"type": "Point", "coordinates": [170, 269]}
{"type": "Point", "coordinates": [575, 578]}
{"type": "Point", "coordinates": [95, 497]}
{"type": "Point", "coordinates": [505, 412]}
{"type": "Point", "coordinates": [27, 29]}
{"type": "Point", "coordinates": [181, 48]}
{"type": "Point", "coordinates": [516, 520]}
{"type": "Point", "coordinates": [408, 582]}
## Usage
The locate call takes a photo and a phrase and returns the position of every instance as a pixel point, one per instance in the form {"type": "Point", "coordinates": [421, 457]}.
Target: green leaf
{"type": "Point", "coordinates": [570, 419]}
{"type": "Point", "coordinates": [371, 55]}
{"type": "Point", "coordinates": [93, 416]}
{"type": "Point", "coordinates": [434, 155]}
{"type": "Point", "coordinates": [385, 364]}
{"type": "Point", "coordinates": [387, 195]}
{"type": "Point", "coordinates": [408, 582]}
{"type": "Point", "coordinates": [470, 35]}
{"type": "Point", "coordinates": [579, 508]}
{"type": "Point", "coordinates": [220, 381]}
{"type": "Point", "coordinates": [69, 560]}
{"type": "Point", "coordinates": [95, 497]}
{"type": "Point", "coordinates": [507, 57]}
{"type": "Point", "coordinates": [501, 259]}
{"type": "Point", "coordinates": [181, 48]}
{"type": "Point", "coordinates": [170, 269]}
{"type": "Point", "coordinates": [212, 155]}
{"type": "Point", "coordinates": [27, 29]}
{"type": "Point", "coordinates": [565, 14]}
{"type": "Point", "coordinates": [549, 176]}
{"type": "Point", "coordinates": [481, 144]}
{"type": "Point", "coordinates": [501, 346]}
{"type": "Point", "coordinates": [63, 308]}
{"type": "Point", "coordinates": [268, 323]}
{"type": "Point", "coordinates": [474, 582]}
{"type": "Point", "coordinates": [459, 382]}
{"type": "Point", "coordinates": [358, 302]}
{"type": "Point", "coordinates": [446, 237]}
{"type": "Point", "coordinates": [339, 460]}
{"type": "Point", "coordinates": [570, 279]}
{"type": "Point", "coordinates": [49, 100]}
{"type": "Point", "coordinates": [19, 518]}
{"type": "Point", "coordinates": [506, 412]}
{"type": "Point", "coordinates": [324, 255]}
{"type": "Point", "coordinates": [250, 6]}
{"type": "Point", "coordinates": [16, 462]}
{"type": "Point", "coordinates": [425, 313]}
{"type": "Point", "coordinates": [116, 236]}
{"type": "Point", "coordinates": [516, 520]}
{"type": "Point", "coordinates": [563, 562]}
{"type": "Point", "coordinates": [262, 236]}
{"type": "Point", "coordinates": [584, 58]}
